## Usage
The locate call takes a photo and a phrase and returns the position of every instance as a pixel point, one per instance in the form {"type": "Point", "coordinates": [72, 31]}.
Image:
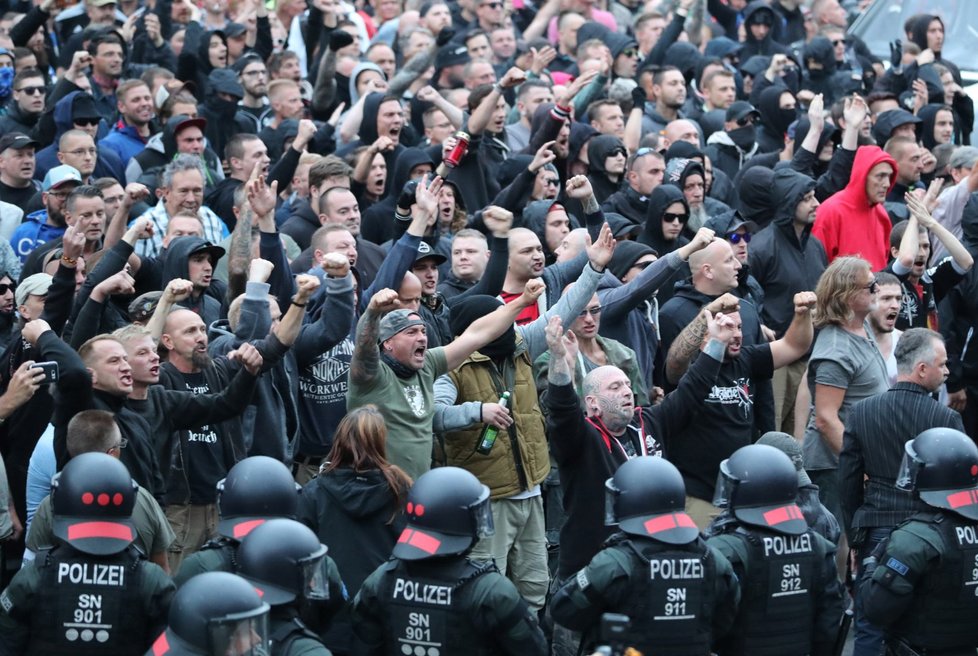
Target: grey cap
{"type": "Point", "coordinates": [397, 321]}
{"type": "Point", "coordinates": [790, 446]}
{"type": "Point", "coordinates": [35, 285]}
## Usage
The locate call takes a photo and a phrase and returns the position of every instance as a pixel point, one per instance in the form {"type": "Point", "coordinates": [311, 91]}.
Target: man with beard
{"type": "Point", "coordinates": [17, 165]}
{"type": "Point", "coordinates": [203, 456]}
{"type": "Point", "coordinates": [253, 76]}
{"type": "Point", "coordinates": [644, 171]}
{"type": "Point", "coordinates": [181, 189]}
{"type": "Point", "coordinates": [131, 132]}
{"type": "Point", "coordinates": [873, 446]}
{"type": "Point", "coordinates": [725, 421]}
{"type": "Point", "coordinates": [924, 289]}
{"type": "Point", "coordinates": [884, 318]}
{"type": "Point", "coordinates": [669, 88]}
{"type": "Point", "coordinates": [531, 95]}
{"type": "Point", "coordinates": [49, 223]}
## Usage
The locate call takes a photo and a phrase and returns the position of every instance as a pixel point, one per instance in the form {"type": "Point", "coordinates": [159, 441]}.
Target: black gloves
{"type": "Point", "coordinates": [407, 198]}
{"type": "Point", "coordinates": [639, 98]}
{"type": "Point", "coordinates": [339, 39]}
{"type": "Point", "coordinates": [896, 54]}
{"type": "Point", "coordinates": [444, 36]}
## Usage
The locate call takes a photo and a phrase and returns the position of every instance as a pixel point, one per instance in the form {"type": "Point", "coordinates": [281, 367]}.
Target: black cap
{"type": "Point", "coordinates": [246, 59]}
{"type": "Point", "coordinates": [426, 252]}
{"type": "Point", "coordinates": [16, 140]}
{"type": "Point", "coordinates": [741, 109]}
{"type": "Point", "coordinates": [452, 54]}
{"type": "Point", "coordinates": [728, 222]}
{"type": "Point", "coordinates": [215, 252]}
{"type": "Point", "coordinates": [234, 30]}
{"type": "Point", "coordinates": [224, 80]}
{"type": "Point", "coordinates": [621, 227]}
{"type": "Point", "coordinates": [83, 106]}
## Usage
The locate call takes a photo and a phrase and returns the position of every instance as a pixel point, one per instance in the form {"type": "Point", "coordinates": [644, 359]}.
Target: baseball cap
{"type": "Point", "coordinates": [621, 227]}
{"type": "Point", "coordinates": [397, 321]}
{"type": "Point", "coordinates": [741, 109]}
{"type": "Point", "coordinates": [61, 175]}
{"type": "Point", "coordinates": [143, 307]}
{"type": "Point", "coordinates": [100, 3]}
{"type": "Point", "coordinates": [35, 285]}
{"type": "Point", "coordinates": [215, 252]}
{"type": "Point", "coordinates": [246, 59]}
{"type": "Point", "coordinates": [728, 222]}
{"type": "Point", "coordinates": [790, 447]}
{"type": "Point", "coordinates": [426, 252]}
{"type": "Point", "coordinates": [16, 140]}
{"type": "Point", "coordinates": [224, 80]}
{"type": "Point", "coordinates": [451, 55]}
{"type": "Point", "coordinates": [234, 30]}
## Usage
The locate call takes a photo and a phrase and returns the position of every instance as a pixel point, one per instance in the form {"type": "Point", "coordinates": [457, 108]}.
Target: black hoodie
{"type": "Point", "coordinates": [368, 135]}
{"type": "Point", "coordinates": [774, 120]}
{"type": "Point", "coordinates": [768, 46]}
{"type": "Point", "coordinates": [196, 66]}
{"type": "Point", "coordinates": [918, 34]}
{"type": "Point", "coordinates": [176, 265]}
{"type": "Point", "coordinates": [925, 129]}
{"type": "Point", "coordinates": [781, 261]}
{"type": "Point", "coordinates": [817, 78]}
{"type": "Point", "coordinates": [535, 219]}
{"type": "Point", "coordinates": [659, 200]}
{"type": "Point", "coordinates": [377, 223]}
{"type": "Point", "coordinates": [599, 148]}
{"type": "Point", "coordinates": [959, 311]}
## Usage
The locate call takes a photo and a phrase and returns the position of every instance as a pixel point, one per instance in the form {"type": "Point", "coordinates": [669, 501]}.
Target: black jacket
{"type": "Point", "coordinates": [376, 225]}
{"type": "Point", "coordinates": [661, 198]}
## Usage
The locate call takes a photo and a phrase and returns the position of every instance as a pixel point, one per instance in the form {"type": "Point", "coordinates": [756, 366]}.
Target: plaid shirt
{"type": "Point", "coordinates": [215, 230]}
{"type": "Point", "coordinates": [876, 430]}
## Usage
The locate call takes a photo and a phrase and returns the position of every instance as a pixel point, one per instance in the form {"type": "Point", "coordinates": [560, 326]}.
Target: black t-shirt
{"type": "Point", "coordinates": [19, 196]}
{"type": "Point", "coordinates": [202, 462]}
{"type": "Point", "coordinates": [724, 423]}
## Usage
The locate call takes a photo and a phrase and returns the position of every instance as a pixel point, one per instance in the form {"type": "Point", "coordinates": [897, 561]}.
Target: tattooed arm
{"type": "Point", "coordinates": [688, 342]}
{"type": "Point", "coordinates": [366, 355]}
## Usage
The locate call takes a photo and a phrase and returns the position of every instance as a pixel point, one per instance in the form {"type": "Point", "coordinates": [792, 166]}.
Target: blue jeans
{"type": "Point", "coordinates": [868, 637]}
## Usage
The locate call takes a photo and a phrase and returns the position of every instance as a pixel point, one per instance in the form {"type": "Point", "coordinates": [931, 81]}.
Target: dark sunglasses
{"type": "Point", "coordinates": [669, 217]}
{"type": "Point", "coordinates": [873, 287]}
{"type": "Point", "coordinates": [86, 121]}
{"type": "Point", "coordinates": [31, 90]}
{"type": "Point", "coordinates": [493, 5]}
{"type": "Point", "coordinates": [839, 42]}
{"type": "Point", "coordinates": [736, 238]}
{"type": "Point", "coordinates": [7, 287]}
{"type": "Point", "coordinates": [630, 52]}
{"type": "Point", "coordinates": [551, 181]}
{"type": "Point", "coordinates": [749, 119]}
{"type": "Point", "coordinates": [595, 311]}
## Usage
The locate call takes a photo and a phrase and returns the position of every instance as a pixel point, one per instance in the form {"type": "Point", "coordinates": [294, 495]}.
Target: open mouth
{"type": "Point", "coordinates": [892, 316]}
{"type": "Point", "coordinates": [126, 380]}
{"type": "Point", "coordinates": [919, 263]}
{"type": "Point", "coordinates": [154, 371]}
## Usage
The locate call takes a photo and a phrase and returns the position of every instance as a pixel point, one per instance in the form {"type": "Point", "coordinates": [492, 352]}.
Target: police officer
{"type": "Point", "coordinates": [430, 597]}
{"type": "Point", "coordinates": [289, 567]}
{"type": "Point", "coordinates": [679, 593]}
{"type": "Point", "coordinates": [92, 592]}
{"type": "Point", "coordinates": [215, 614]}
{"type": "Point", "coordinates": [791, 600]}
{"type": "Point", "coordinates": [924, 590]}
{"type": "Point", "coordinates": [256, 489]}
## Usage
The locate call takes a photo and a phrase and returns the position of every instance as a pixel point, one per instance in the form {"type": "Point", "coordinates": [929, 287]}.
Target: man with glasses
{"type": "Point", "coordinates": [77, 111]}
{"type": "Point", "coordinates": [253, 76]}
{"type": "Point", "coordinates": [732, 227]}
{"type": "Point", "coordinates": [643, 173]}
{"type": "Point", "coordinates": [47, 224]}
{"type": "Point", "coordinates": [77, 149]}
{"type": "Point", "coordinates": [22, 114]}
{"type": "Point", "coordinates": [489, 14]}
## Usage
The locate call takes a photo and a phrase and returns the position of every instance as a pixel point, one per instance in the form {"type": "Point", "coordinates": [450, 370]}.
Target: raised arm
{"type": "Point", "coordinates": [288, 328]}
{"type": "Point", "coordinates": [798, 338]}
{"type": "Point", "coordinates": [455, 115]}
{"type": "Point", "coordinates": [918, 213]}
{"type": "Point", "coordinates": [690, 339]}
{"type": "Point", "coordinates": [365, 362]}
{"type": "Point", "coordinates": [481, 115]}
{"type": "Point", "coordinates": [176, 291]}
{"type": "Point", "coordinates": [135, 192]}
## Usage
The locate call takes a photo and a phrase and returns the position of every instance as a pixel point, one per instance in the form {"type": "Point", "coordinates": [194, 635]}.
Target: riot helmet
{"type": "Point", "coordinates": [759, 485]}
{"type": "Point", "coordinates": [256, 489]}
{"type": "Point", "coordinates": [92, 500]}
{"type": "Point", "coordinates": [647, 497]}
{"type": "Point", "coordinates": [941, 466]}
{"type": "Point", "coordinates": [285, 561]}
{"type": "Point", "coordinates": [215, 614]}
{"type": "Point", "coordinates": [447, 511]}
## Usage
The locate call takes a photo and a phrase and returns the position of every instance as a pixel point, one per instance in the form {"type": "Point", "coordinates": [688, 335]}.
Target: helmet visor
{"type": "Point", "coordinates": [724, 488]}
{"type": "Point", "coordinates": [482, 516]}
{"type": "Point", "coordinates": [910, 466]}
{"type": "Point", "coordinates": [241, 634]}
{"type": "Point", "coordinates": [610, 499]}
{"type": "Point", "coordinates": [315, 576]}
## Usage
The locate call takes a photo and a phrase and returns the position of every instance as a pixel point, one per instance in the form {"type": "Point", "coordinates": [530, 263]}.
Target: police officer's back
{"type": "Point", "coordinates": [215, 614]}
{"type": "Point", "coordinates": [288, 565]}
{"type": "Point", "coordinates": [679, 593]}
{"type": "Point", "coordinates": [924, 589]}
{"type": "Point", "coordinates": [429, 597]}
{"type": "Point", "coordinates": [255, 490]}
{"type": "Point", "coordinates": [791, 600]}
{"type": "Point", "coordinates": [93, 592]}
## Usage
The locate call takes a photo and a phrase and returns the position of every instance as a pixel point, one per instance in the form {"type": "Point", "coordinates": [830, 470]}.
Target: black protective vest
{"type": "Point", "coordinates": [673, 592]}
{"type": "Point", "coordinates": [944, 613]}
{"type": "Point", "coordinates": [88, 605]}
{"type": "Point", "coordinates": [283, 635]}
{"type": "Point", "coordinates": [777, 606]}
{"type": "Point", "coordinates": [431, 614]}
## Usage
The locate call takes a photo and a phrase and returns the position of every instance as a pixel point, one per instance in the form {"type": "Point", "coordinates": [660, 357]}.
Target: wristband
{"type": "Point", "coordinates": [70, 261]}
{"type": "Point", "coordinates": [302, 305]}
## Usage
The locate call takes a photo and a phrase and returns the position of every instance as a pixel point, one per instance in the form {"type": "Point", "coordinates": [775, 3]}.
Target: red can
{"type": "Point", "coordinates": [454, 158]}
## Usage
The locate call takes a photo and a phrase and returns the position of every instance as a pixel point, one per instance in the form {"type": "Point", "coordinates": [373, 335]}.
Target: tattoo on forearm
{"type": "Point", "coordinates": [560, 373]}
{"type": "Point", "coordinates": [684, 348]}
{"type": "Point", "coordinates": [591, 205]}
{"type": "Point", "coordinates": [366, 355]}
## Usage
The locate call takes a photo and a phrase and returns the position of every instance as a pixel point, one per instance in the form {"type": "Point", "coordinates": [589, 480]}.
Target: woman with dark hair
{"type": "Point", "coordinates": [355, 506]}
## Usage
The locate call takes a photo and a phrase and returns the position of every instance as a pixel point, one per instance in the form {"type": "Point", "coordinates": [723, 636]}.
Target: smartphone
{"type": "Point", "coordinates": [50, 370]}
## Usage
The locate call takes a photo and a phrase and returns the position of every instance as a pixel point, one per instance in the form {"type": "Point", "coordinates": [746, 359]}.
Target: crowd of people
{"type": "Point", "coordinates": [458, 271]}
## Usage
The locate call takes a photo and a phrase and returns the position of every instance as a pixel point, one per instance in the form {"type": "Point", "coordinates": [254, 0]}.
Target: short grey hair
{"type": "Point", "coordinates": [915, 345]}
{"type": "Point", "coordinates": [963, 157]}
{"type": "Point", "coordinates": [180, 164]}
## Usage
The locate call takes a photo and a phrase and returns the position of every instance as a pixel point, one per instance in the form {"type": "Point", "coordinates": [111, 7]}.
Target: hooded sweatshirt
{"type": "Point", "coordinates": [768, 46]}
{"type": "Point", "coordinates": [376, 223]}
{"type": "Point", "coordinates": [783, 262]}
{"type": "Point", "coordinates": [535, 218]}
{"type": "Point", "coordinates": [925, 130]}
{"type": "Point", "coordinates": [847, 224]}
{"type": "Point", "coordinates": [818, 56]}
{"type": "Point", "coordinates": [774, 120]}
{"type": "Point", "coordinates": [599, 148]}
{"type": "Point", "coordinates": [918, 34]}
{"type": "Point", "coordinates": [160, 151]}
{"type": "Point", "coordinates": [176, 265]}
{"type": "Point", "coordinates": [368, 135]}
{"type": "Point", "coordinates": [661, 198]}
{"type": "Point", "coordinates": [357, 70]}
{"type": "Point", "coordinates": [108, 164]}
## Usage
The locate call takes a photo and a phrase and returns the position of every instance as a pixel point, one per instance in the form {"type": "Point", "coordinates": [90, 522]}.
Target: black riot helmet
{"type": "Point", "coordinates": [284, 560]}
{"type": "Point", "coordinates": [647, 497]}
{"type": "Point", "coordinates": [214, 614]}
{"type": "Point", "coordinates": [447, 511]}
{"type": "Point", "coordinates": [92, 500]}
{"type": "Point", "coordinates": [759, 485]}
{"type": "Point", "coordinates": [941, 466]}
{"type": "Point", "coordinates": [256, 489]}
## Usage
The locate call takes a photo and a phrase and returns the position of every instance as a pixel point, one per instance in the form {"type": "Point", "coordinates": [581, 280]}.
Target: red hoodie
{"type": "Point", "coordinates": [847, 224]}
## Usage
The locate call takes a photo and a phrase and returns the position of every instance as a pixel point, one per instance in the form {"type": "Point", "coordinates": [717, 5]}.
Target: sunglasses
{"type": "Point", "coordinates": [736, 238]}
{"type": "Point", "coordinates": [630, 52]}
{"type": "Point", "coordinates": [551, 181]}
{"type": "Point", "coordinates": [873, 287]}
{"type": "Point", "coordinates": [839, 42]}
{"type": "Point", "coordinates": [86, 121]}
{"type": "Point", "coordinates": [493, 5]}
{"type": "Point", "coordinates": [7, 287]}
{"type": "Point", "coordinates": [669, 217]}
{"type": "Point", "coordinates": [595, 311]}
{"type": "Point", "coordinates": [749, 119]}
{"type": "Point", "coordinates": [31, 90]}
